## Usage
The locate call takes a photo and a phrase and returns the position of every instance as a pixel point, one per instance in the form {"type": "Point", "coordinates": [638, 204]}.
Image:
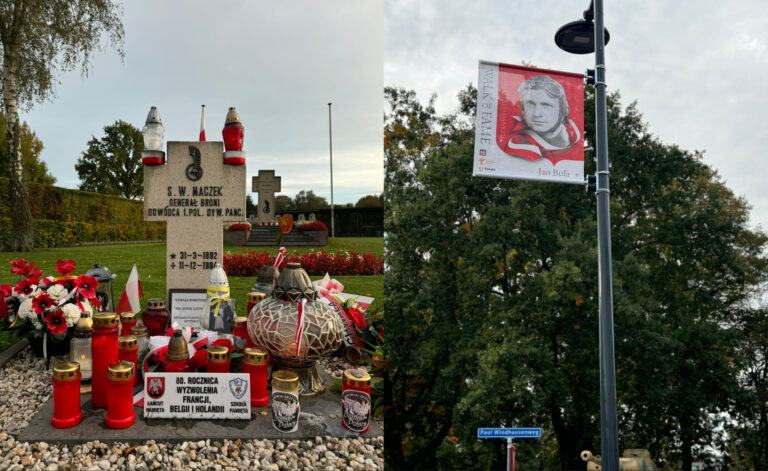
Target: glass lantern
{"type": "Point", "coordinates": [154, 135]}
{"type": "Point", "coordinates": [80, 347]}
{"type": "Point", "coordinates": [104, 292]}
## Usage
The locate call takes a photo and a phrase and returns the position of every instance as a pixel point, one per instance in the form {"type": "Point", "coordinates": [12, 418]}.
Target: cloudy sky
{"type": "Point", "coordinates": [278, 63]}
{"type": "Point", "coordinates": [697, 68]}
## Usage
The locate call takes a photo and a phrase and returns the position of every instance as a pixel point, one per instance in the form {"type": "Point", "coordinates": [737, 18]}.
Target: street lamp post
{"type": "Point", "coordinates": [584, 37]}
{"type": "Point", "coordinates": [330, 145]}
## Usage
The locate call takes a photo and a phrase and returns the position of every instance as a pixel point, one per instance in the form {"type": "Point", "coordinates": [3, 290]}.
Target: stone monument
{"type": "Point", "coordinates": [266, 185]}
{"type": "Point", "coordinates": [195, 193]}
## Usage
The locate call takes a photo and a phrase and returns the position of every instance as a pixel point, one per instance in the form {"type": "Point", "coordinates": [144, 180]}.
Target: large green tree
{"type": "Point", "coordinates": [36, 171]}
{"type": "Point", "coordinates": [40, 39]}
{"type": "Point", "coordinates": [307, 199]}
{"type": "Point", "coordinates": [492, 296]}
{"type": "Point", "coordinates": [112, 163]}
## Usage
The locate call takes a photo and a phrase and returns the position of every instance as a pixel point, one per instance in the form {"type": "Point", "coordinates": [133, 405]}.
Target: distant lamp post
{"type": "Point", "coordinates": [154, 135]}
{"type": "Point", "coordinates": [330, 145]}
{"type": "Point", "coordinates": [583, 37]}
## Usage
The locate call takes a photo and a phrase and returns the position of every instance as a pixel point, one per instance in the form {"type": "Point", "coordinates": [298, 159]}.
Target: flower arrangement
{"type": "Point", "coordinates": [313, 226]}
{"type": "Point", "coordinates": [239, 226]}
{"type": "Point", "coordinates": [315, 263]}
{"type": "Point", "coordinates": [49, 305]}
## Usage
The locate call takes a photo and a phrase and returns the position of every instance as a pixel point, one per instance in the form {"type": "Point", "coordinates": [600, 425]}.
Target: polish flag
{"type": "Point", "coordinates": [202, 125]}
{"type": "Point", "coordinates": [129, 301]}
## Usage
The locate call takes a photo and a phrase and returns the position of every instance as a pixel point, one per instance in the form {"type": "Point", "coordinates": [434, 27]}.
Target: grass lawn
{"type": "Point", "coordinates": [150, 262]}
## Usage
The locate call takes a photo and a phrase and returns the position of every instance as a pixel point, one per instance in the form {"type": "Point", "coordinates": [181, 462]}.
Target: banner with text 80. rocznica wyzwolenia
{"type": "Point", "coordinates": [529, 124]}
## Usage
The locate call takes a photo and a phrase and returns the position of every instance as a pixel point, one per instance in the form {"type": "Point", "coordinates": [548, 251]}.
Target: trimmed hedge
{"type": "Point", "coordinates": [64, 217]}
{"type": "Point", "coordinates": [313, 226]}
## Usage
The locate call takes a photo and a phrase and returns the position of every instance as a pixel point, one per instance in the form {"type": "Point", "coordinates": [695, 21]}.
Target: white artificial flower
{"type": "Point", "coordinates": [87, 307]}
{"type": "Point", "coordinates": [71, 313]}
{"type": "Point", "coordinates": [26, 311]}
{"type": "Point", "coordinates": [38, 325]}
{"type": "Point", "coordinates": [58, 292]}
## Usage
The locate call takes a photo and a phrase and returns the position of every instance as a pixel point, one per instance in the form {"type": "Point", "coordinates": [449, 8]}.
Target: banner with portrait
{"type": "Point", "coordinates": [529, 124]}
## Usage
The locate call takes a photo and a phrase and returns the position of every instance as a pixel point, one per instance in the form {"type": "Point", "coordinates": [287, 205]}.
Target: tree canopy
{"type": "Point", "coordinates": [370, 201]}
{"type": "Point", "coordinates": [492, 297]}
{"type": "Point", "coordinates": [36, 170]}
{"type": "Point", "coordinates": [112, 163]}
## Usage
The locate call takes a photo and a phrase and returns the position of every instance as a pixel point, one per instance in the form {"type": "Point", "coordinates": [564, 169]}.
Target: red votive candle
{"type": "Point", "coordinates": [240, 329]}
{"type": "Point", "coordinates": [254, 298]}
{"type": "Point", "coordinates": [218, 359]}
{"type": "Point", "coordinates": [66, 395]}
{"type": "Point", "coordinates": [103, 354]}
{"type": "Point", "coordinates": [255, 364]}
{"type": "Point", "coordinates": [356, 400]}
{"type": "Point", "coordinates": [128, 350]}
{"type": "Point", "coordinates": [156, 317]}
{"type": "Point", "coordinates": [127, 321]}
{"type": "Point", "coordinates": [120, 395]}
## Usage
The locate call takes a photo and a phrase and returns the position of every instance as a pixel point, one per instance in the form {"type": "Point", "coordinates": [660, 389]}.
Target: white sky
{"type": "Point", "coordinates": [279, 63]}
{"type": "Point", "coordinates": [697, 68]}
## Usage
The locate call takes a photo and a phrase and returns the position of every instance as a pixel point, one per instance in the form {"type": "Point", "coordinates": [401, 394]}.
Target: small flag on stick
{"type": "Point", "coordinates": [202, 125]}
{"type": "Point", "coordinates": [129, 301]}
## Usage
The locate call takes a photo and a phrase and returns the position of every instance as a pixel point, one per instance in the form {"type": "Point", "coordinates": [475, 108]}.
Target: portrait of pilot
{"type": "Point", "coordinates": [545, 127]}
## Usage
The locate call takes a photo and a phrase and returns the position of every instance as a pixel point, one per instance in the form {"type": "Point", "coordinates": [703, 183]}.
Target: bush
{"type": "Point", "coordinates": [313, 226]}
{"type": "Point", "coordinates": [239, 226]}
{"type": "Point", "coordinates": [67, 233]}
{"type": "Point", "coordinates": [315, 263]}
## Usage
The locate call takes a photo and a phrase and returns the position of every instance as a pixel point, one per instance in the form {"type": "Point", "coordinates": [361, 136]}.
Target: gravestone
{"type": "Point", "coordinates": [266, 185]}
{"type": "Point", "coordinates": [195, 193]}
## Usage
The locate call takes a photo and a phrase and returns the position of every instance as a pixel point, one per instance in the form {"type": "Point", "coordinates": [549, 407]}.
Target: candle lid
{"type": "Point", "coordinates": [218, 354]}
{"type": "Point", "coordinates": [285, 379]}
{"type": "Point", "coordinates": [139, 330]}
{"type": "Point", "coordinates": [128, 317]}
{"type": "Point", "coordinates": [120, 371]}
{"type": "Point", "coordinates": [357, 377]}
{"type": "Point", "coordinates": [66, 370]}
{"type": "Point", "coordinates": [255, 356]}
{"type": "Point", "coordinates": [83, 327]}
{"type": "Point", "coordinates": [232, 116]}
{"type": "Point", "coordinates": [156, 303]}
{"type": "Point", "coordinates": [127, 342]}
{"type": "Point", "coordinates": [105, 320]}
{"type": "Point", "coordinates": [177, 347]}
{"type": "Point", "coordinates": [256, 297]}
{"type": "Point", "coordinates": [240, 321]}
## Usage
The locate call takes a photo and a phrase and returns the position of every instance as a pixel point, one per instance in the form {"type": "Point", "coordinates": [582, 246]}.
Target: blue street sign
{"type": "Point", "coordinates": [509, 433]}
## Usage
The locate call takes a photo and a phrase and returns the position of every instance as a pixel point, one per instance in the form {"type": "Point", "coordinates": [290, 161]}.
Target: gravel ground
{"type": "Point", "coordinates": [25, 386]}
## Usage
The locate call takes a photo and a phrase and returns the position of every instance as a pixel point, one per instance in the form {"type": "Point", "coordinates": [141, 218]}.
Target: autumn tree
{"type": "Point", "coordinates": [40, 39]}
{"type": "Point", "coordinates": [36, 170]}
{"type": "Point", "coordinates": [112, 163]}
{"type": "Point", "coordinates": [370, 201]}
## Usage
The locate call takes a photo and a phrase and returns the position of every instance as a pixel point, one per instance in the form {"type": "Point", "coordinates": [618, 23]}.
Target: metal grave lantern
{"type": "Point", "coordinates": [265, 283]}
{"type": "Point", "coordinates": [218, 313]}
{"type": "Point", "coordinates": [104, 292]}
{"type": "Point", "coordinates": [296, 328]}
{"type": "Point", "coordinates": [154, 136]}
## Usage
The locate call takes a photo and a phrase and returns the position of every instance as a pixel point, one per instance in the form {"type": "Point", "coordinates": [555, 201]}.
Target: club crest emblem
{"type": "Point", "coordinates": [238, 387]}
{"type": "Point", "coordinates": [155, 387]}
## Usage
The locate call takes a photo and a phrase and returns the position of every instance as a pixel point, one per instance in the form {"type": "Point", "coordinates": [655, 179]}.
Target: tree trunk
{"type": "Point", "coordinates": [22, 232]}
{"type": "Point", "coordinates": [687, 451]}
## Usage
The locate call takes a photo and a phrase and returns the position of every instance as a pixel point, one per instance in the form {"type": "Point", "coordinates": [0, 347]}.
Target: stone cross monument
{"type": "Point", "coordinates": [195, 193]}
{"type": "Point", "coordinates": [266, 185]}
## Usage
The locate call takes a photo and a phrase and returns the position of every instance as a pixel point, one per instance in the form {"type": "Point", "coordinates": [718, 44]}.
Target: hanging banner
{"type": "Point", "coordinates": [529, 124]}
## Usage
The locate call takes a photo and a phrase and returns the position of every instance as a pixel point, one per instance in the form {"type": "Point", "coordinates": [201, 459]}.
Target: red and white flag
{"type": "Point", "coordinates": [300, 324]}
{"type": "Point", "coordinates": [129, 301]}
{"type": "Point", "coordinates": [202, 125]}
{"type": "Point", "coordinates": [280, 254]}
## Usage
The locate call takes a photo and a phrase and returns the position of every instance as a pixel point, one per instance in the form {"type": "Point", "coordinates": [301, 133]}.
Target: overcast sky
{"type": "Point", "coordinates": [278, 63]}
{"type": "Point", "coordinates": [697, 68]}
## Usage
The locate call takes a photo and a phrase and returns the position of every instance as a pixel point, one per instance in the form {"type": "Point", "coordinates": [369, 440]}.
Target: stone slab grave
{"type": "Point", "coordinates": [195, 193]}
{"type": "Point", "coordinates": [314, 421]}
{"type": "Point", "coordinates": [266, 185]}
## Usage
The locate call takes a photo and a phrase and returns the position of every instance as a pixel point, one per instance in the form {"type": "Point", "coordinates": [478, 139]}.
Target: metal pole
{"type": "Point", "coordinates": [509, 454]}
{"type": "Point", "coordinates": [608, 424]}
{"type": "Point", "coordinates": [330, 145]}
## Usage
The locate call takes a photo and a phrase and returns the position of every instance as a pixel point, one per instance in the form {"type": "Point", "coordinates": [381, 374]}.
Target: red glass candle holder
{"type": "Point", "coordinates": [103, 353]}
{"type": "Point", "coordinates": [356, 400]}
{"type": "Point", "coordinates": [255, 364]}
{"type": "Point", "coordinates": [128, 350]}
{"type": "Point", "coordinates": [218, 359]}
{"type": "Point", "coordinates": [254, 298]}
{"type": "Point", "coordinates": [233, 134]}
{"type": "Point", "coordinates": [240, 329]}
{"type": "Point", "coordinates": [120, 377]}
{"type": "Point", "coordinates": [66, 395]}
{"type": "Point", "coordinates": [156, 317]}
{"type": "Point", "coordinates": [127, 321]}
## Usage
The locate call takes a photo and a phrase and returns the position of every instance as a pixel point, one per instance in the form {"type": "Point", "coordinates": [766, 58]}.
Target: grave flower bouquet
{"type": "Point", "coordinates": [47, 305]}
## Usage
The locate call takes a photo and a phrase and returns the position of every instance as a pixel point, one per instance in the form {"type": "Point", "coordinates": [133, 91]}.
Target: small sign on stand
{"type": "Point", "coordinates": [509, 434]}
{"type": "Point", "coordinates": [185, 306]}
{"type": "Point", "coordinates": [197, 395]}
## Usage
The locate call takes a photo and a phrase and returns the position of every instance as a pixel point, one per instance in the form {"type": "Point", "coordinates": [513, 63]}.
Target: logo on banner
{"type": "Point", "coordinates": [155, 387]}
{"type": "Point", "coordinates": [238, 387]}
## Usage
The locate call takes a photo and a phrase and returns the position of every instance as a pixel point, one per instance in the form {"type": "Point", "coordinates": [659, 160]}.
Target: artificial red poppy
{"type": "Point", "coordinates": [200, 359]}
{"type": "Point", "coordinates": [224, 343]}
{"type": "Point", "coordinates": [19, 267]}
{"type": "Point", "coordinates": [65, 268]}
{"type": "Point", "coordinates": [26, 287]}
{"type": "Point", "coordinates": [87, 286]}
{"type": "Point", "coordinates": [286, 223]}
{"type": "Point", "coordinates": [5, 291]}
{"type": "Point", "coordinates": [357, 317]}
{"type": "Point", "coordinates": [42, 303]}
{"type": "Point", "coordinates": [56, 321]}
{"type": "Point", "coordinates": [33, 272]}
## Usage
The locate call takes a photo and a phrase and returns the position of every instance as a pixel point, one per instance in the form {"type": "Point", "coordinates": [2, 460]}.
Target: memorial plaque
{"type": "Point", "coordinates": [195, 193]}
{"type": "Point", "coordinates": [185, 306]}
{"type": "Point", "coordinates": [197, 395]}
